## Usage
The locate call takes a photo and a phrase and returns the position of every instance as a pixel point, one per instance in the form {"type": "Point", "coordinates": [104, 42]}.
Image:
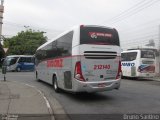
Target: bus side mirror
{"type": "Point", "coordinates": [2, 59]}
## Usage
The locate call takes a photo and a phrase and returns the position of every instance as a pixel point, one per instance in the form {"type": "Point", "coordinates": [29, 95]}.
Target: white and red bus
{"type": "Point", "coordinates": [138, 63]}
{"type": "Point", "coordinates": [84, 59]}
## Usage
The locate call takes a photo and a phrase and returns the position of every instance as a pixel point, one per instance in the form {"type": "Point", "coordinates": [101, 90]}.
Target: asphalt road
{"type": "Point", "coordinates": [134, 96]}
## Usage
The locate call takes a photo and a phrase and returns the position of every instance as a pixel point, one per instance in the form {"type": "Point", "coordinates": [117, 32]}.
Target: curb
{"type": "Point", "coordinates": [41, 94]}
{"type": "Point", "coordinates": [44, 97]}
{"type": "Point", "coordinates": [55, 109]}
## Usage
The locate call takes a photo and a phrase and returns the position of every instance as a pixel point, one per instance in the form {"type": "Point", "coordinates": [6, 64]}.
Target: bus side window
{"type": "Point", "coordinates": [22, 59]}
{"type": "Point", "coordinates": [28, 60]}
{"type": "Point", "coordinates": [123, 56]}
{"type": "Point", "coordinates": [33, 60]}
{"type": "Point", "coordinates": [13, 61]}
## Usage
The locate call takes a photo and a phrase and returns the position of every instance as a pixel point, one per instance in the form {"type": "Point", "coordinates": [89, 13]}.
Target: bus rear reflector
{"type": "Point", "coordinates": [78, 72]}
{"type": "Point", "coordinates": [119, 71]}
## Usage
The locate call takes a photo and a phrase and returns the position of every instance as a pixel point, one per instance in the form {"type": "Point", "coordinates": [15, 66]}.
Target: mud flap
{"type": "Point", "coordinates": [67, 80]}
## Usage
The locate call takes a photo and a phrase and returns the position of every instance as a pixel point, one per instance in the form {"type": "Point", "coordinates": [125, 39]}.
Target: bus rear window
{"type": "Point", "coordinates": [128, 56]}
{"type": "Point", "coordinates": [98, 35]}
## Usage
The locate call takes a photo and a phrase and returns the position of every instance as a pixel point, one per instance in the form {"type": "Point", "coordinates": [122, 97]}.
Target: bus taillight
{"type": "Point", "coordinates": [119, 71]}
{"type": "Point", "coordinates": [78, 72]}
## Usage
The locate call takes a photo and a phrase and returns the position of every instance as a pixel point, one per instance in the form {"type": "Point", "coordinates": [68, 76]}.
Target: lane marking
{"type": "Point", "coordinates": [44, 97]}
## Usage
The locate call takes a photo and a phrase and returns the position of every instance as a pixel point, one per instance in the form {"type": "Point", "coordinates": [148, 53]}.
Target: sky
{"type": "Point", "coordinates": [137, 21]}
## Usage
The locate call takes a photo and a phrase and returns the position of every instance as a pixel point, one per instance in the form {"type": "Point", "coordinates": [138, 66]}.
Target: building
{"type": "Point", "coordinates": [2, 53]}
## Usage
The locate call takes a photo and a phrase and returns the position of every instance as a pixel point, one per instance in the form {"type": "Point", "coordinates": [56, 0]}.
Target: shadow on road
{"type": "Point", "coordinates": [88, 97]}
{"type": "Point", "coordinates": [138, 79]}
{"type": "Point", "coordinates": [144, 80]}
{"type": "Point", "coordinates": [83, 96]}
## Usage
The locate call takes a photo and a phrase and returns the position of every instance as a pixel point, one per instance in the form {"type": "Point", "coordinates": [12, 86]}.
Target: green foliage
{"type": "Point", "coordinates": [25, 42]}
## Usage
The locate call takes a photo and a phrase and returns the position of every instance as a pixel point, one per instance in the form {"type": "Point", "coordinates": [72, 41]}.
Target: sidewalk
{"type": "Point", "coordinates": [23, 102]}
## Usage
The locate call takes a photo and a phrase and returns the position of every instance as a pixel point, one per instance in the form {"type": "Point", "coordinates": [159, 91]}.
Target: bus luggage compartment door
{"type": "Point", "coordinates": [133, 71]}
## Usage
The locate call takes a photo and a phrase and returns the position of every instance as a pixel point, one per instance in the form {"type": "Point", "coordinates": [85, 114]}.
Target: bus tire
{"type": "Point", "coordinates": [18, 69]}
{"type": "Point", "coordinates": [122, 77]}
{"type": "Point", "coordinates": [55, 84]}
{"type": "Point", "coordinates": [37, 79]}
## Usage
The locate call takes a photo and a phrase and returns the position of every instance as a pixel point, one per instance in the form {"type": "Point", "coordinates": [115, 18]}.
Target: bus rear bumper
{"type": "Point", "coordinates": [146, 75]}
{"type": "Point", "coordinates": [96, 86]}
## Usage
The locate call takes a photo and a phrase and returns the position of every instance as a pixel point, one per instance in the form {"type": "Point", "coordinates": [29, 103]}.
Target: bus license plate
{"type": "Point", "coordinates": [101, 85]}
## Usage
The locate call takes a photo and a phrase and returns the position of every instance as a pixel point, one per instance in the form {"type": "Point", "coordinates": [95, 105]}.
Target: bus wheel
{"type": "Point", "coordinates": [37, 77]}
{"type": "Point", "coordinates": [122, 77]}
{"type": "Point", "coordinates": [55, 85]}
{"type": "Point", "coordinates": [18, 69]}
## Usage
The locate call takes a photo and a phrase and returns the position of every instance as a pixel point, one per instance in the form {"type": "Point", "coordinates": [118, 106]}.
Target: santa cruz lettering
{"type": "Point", "coordinates": [55, 63]}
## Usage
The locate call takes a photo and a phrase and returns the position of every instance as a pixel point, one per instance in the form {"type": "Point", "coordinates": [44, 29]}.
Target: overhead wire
{"type": "Point", "coordinates": [144, 24]}
{"type": "Point", "coordinates": [29, 26]}
{"type": "Point", "coordinates": [131, 11]}
{"type": "Point", "coordinates": [124, 12]}
{"type": "Point", "coordinates": [134, 12]}
{"type": "Point", "coordinates": [139, 42]}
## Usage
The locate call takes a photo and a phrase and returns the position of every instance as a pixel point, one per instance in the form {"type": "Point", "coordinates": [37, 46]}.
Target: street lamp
{"type": "Point", "coordinates": [2, 1]}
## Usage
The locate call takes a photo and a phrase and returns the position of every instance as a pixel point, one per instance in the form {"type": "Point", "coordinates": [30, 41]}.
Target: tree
{"type": "Point", "coordinates": [25, 42]}
{"type": "Point", "coordinates": [151, 43]}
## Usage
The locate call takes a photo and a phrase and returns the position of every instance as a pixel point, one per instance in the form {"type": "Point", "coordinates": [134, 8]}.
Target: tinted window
{"type": "Point", "coordinates": [29, 60]}
{"type": "Point", "coordinates": [13, 61]}
{"type": "Point", "coordinates": [58, 48]}
{"type": "Point", "coordinates": [129, 56]}
{"type": "Point", "coordinates": [22, 59]}
{"type": "Point", "coordinates": [10, 61]}
{"type": "Point", "coordinates": [64, 44]}
{"type": "Point", "coordinates": [147, 54]}
{"type": "Point", "coordinates": [61, 47]}
{"type": "Point", "coordinates": [50, 51]}
{"type": "Point", "coordinates": [97, 35]}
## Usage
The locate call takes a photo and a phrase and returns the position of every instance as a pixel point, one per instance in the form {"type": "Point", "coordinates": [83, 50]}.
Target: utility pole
{"type": "Point", "coordinates": [1, 19]}
{"type": "Point", "coordinates": [1, 16]}
{"type": "Point", "coordinates": [159, 50]}
{"type": "Point", "coordinates": [159, 38]}
{"type": "Point", "coordinates": [1, 22]}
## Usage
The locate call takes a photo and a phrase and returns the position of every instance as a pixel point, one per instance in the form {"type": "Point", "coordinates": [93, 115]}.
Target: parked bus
{"type": "Point", "coordinates": [138, 63]}
{"type": "Point", "coordinates": [84, 59]}
{"type": "Point", "coordinates": [19, 63]}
